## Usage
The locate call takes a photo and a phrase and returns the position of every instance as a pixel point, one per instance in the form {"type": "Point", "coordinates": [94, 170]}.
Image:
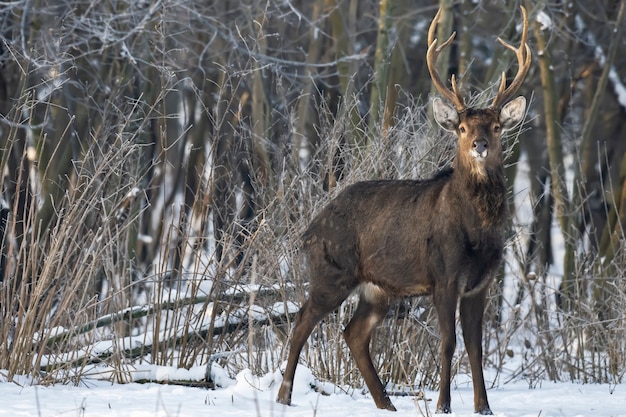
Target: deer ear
{"type": "Point", "coordinates": [512, 113]}
{"type": "Point", "coordinates": [446, 116]}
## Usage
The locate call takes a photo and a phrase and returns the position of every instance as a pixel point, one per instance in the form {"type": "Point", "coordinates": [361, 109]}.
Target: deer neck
{"type": "Point", "coordinates": [484, 190]}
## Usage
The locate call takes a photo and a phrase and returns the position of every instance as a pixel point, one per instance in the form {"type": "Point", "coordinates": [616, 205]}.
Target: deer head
{"type": "Point", "coordinates": [479, 130]}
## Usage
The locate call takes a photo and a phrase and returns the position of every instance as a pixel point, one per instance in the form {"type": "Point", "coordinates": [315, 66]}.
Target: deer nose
{"type": "Point", "coordinates": [480, 146]}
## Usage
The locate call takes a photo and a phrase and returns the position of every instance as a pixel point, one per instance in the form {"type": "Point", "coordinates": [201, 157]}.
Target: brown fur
{"type": "Point", "coordinates": [441, 237]}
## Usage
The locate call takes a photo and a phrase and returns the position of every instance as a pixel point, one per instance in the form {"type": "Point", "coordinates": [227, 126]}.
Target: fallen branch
{"type": "Point", "coordinates": [131, 313]}
{"type": "Point", "coordinates": [231, 325]}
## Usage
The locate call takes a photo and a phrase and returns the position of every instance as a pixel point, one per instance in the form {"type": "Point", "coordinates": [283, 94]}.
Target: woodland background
{"type": "Point", "coordinates": [160, 158]}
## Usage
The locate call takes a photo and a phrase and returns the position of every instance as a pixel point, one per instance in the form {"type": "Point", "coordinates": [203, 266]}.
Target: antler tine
{"type": "Point", "coordinates": [523, 55]}
{"type": "Point", "coordinates": [453, 95]}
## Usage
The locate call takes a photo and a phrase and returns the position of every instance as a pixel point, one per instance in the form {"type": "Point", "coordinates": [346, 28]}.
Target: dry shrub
{"type": "Point", "coordinates": [75, 297]}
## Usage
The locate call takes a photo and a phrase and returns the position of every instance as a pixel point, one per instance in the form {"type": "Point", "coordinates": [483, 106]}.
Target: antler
{"type": "Point", "coordinates": [453, 95]}
{"type": "Point", "coordinates": [523, 61]}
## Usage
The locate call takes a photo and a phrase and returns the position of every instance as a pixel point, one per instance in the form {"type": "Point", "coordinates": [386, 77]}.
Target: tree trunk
{"type": "Point", "coordinates": [557, 165]}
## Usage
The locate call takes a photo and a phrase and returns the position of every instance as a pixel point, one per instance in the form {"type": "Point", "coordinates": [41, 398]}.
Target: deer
{"type": "Point", "coordinates": [442, 237]}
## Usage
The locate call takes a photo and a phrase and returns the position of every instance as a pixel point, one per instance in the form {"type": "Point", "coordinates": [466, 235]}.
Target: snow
{"type": "Point", "coordinates": [250, 395]}
{"type": "Point", "coordinates": [619, 87]}
{"type": "Point", "coordinates": [544, 20]}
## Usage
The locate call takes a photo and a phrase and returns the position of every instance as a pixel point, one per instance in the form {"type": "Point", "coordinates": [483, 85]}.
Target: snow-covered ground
{"type": "Point", "coordinates": [248, 395]}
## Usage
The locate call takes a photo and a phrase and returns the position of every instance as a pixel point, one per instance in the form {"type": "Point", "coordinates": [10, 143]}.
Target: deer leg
{"type": "Point", "coordinates": [471, 312]}
{"type": "Point", "coordinates": [446, 309]}
{"type": "Point", "coordinates": [317, 306]}
{"type": "Point", "coordinates": [358, 333]}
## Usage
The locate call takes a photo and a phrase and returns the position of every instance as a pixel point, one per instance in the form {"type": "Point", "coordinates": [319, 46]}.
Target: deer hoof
{"type": "Point", "coordinates": [283, 401]}
{"type": "Point", "coordinates": [390, 407]}
{"type": "Point", "coordinates": [384, 403]}
{"type": "Point", "coordinates": [485, 411]}
{"type": "Point", "coordinates": [387, 406]}
{"type": "Point", "coordinates": [283, 397]}
{"type": "Point", "coordinates": [284, 394]}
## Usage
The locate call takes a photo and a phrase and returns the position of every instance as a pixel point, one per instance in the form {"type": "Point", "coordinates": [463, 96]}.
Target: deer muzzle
{"type": "Point", "coordinates": [479, 149]}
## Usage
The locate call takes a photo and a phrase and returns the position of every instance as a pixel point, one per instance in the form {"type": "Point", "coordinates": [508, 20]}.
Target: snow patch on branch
{"type": "Point", "coordinates": [544, 20]}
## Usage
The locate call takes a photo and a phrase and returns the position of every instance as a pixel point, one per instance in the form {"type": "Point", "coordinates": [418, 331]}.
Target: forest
{"type": "Point", "coordinates": [161, 158]}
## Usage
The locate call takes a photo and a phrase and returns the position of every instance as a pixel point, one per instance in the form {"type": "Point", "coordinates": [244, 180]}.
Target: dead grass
{"type": "Point", "coordinates": [69, 279]}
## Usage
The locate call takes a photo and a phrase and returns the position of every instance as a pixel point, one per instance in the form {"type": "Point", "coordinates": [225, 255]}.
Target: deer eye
{"type": "Point", "coordinates": [462, 129]}
{"type": "Point", "coordinates": [496, 129]}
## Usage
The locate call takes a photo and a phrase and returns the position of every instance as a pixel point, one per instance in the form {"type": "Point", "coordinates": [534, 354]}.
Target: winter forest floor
{"type": "Point", "coordinates": [248, 395]}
